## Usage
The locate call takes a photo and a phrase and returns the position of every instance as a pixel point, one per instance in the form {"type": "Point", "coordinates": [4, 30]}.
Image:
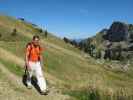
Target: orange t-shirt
{"type": "Point", "coordinates": [33, 52]}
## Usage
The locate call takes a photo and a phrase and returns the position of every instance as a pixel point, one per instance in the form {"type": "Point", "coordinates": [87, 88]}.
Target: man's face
{"type": "Point", "coordinates": [36, 41]}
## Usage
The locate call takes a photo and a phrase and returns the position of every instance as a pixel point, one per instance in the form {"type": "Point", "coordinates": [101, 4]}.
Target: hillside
{"type": "Point", "coordinates": [70, 75]}
{"type": "Point", "coordinates": [114, 43]}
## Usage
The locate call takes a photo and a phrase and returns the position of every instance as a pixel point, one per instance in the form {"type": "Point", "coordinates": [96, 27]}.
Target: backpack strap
{"type": "Point", "coordinates": [29, 44]}
{"type": "Point", "coordinates": [31, 47]}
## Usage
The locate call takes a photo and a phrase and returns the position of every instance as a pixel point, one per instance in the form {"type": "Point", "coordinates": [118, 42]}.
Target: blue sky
{"type": "Point", "coordinates": [70, 18]}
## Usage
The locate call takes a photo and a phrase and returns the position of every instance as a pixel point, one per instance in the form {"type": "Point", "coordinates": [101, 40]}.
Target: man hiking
{"type": "Point", "coordinates": [33, 60]}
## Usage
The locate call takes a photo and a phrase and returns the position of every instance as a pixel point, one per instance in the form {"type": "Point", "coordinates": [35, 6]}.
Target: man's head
{"type": "Point", "coordinates": [36, 39]}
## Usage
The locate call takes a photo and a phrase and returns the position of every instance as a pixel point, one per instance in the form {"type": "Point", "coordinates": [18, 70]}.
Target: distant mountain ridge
{"type": "Point", "coordinates": [119, 37]}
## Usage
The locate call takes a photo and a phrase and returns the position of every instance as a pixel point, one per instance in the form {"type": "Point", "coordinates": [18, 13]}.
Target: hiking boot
{"type": "Point", "coordinates": [45, 92]}
{"type": "Point", "coordinates": [29, 86]}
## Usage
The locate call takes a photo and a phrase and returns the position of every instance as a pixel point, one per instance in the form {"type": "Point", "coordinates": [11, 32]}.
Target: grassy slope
{"type": "Point", "coordinates": [78, 72]}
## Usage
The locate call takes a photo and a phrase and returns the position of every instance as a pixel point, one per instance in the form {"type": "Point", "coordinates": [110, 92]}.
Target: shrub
{"type": "Point", "coordinates": [46, 33]}
{"type": "Point", "coordinates": [66, 40]}
{"type": "Point", "coordinates": [14, 32]}
{"type": "Point", "coordinates": [0, 35]}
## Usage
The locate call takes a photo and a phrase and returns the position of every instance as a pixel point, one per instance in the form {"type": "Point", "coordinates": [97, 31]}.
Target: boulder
{"type": "Point", "coordinates": [117, 32]}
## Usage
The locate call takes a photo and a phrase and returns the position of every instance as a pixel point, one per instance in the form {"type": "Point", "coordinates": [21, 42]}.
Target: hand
{"type": "Point", "coordinates": [28, 67]}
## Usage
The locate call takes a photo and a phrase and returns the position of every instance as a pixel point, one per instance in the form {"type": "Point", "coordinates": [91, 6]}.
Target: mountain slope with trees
{"type": "Point", "coordinates": [70, 75]}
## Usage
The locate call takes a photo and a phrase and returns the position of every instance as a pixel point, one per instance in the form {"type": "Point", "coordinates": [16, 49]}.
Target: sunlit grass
{"type": "Point", "coordinates": [78, 74]}
{"type": "Point", "coordinates": [12, 67]}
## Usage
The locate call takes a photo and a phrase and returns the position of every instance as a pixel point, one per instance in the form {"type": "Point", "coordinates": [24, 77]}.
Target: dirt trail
{"type": "Point", "coordinates": [17, 83]}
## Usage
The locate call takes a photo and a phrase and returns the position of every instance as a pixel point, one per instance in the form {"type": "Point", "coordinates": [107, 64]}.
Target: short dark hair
{"type": "Point", "coordinates": [36, 37]}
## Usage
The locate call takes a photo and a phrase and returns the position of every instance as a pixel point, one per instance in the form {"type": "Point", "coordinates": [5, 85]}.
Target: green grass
{"type": "Point", "coordinates": [6, 35]}
{"type": "Point", "coordinates": [95, 94]}
{"type": "Point", "coordinates": [60, 42]}
{"type": "Point", "coordinates": [10, 23]}
{"type": "Point", "coordinates": [85, 95]}
{"type": "Point", "coordinates": [12, 67]}
{"type": "Point", "coordinates": [76, 73]}
{"type": "Point", "coordinates": [58, 65]}
{"type": "Point", "coordinates": [17, 48]}
{"type": "Point", "coordinates": [53, 59]}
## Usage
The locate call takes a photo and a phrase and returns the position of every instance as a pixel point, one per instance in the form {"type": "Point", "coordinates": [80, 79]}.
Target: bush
{"type": "Point", "coordinates": [40, 30]}
{"type": "Point", "coordinates": [66, 40]}
{"type": "Point", "coordinates": [96, 94]}
{"type": "Point", "coordinates": [46, 33]}
{"type": "Point", "coordinates": [22, 19]}
{"type": "Point", "coordinates": [14, 32]}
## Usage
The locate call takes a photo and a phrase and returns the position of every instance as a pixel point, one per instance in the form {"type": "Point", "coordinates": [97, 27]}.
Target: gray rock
{"type": "Point", "coordinates": [117, 32]}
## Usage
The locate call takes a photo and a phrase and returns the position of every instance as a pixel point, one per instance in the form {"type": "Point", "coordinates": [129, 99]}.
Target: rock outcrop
{"type": "Point", "coordinates": [117, 32]}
